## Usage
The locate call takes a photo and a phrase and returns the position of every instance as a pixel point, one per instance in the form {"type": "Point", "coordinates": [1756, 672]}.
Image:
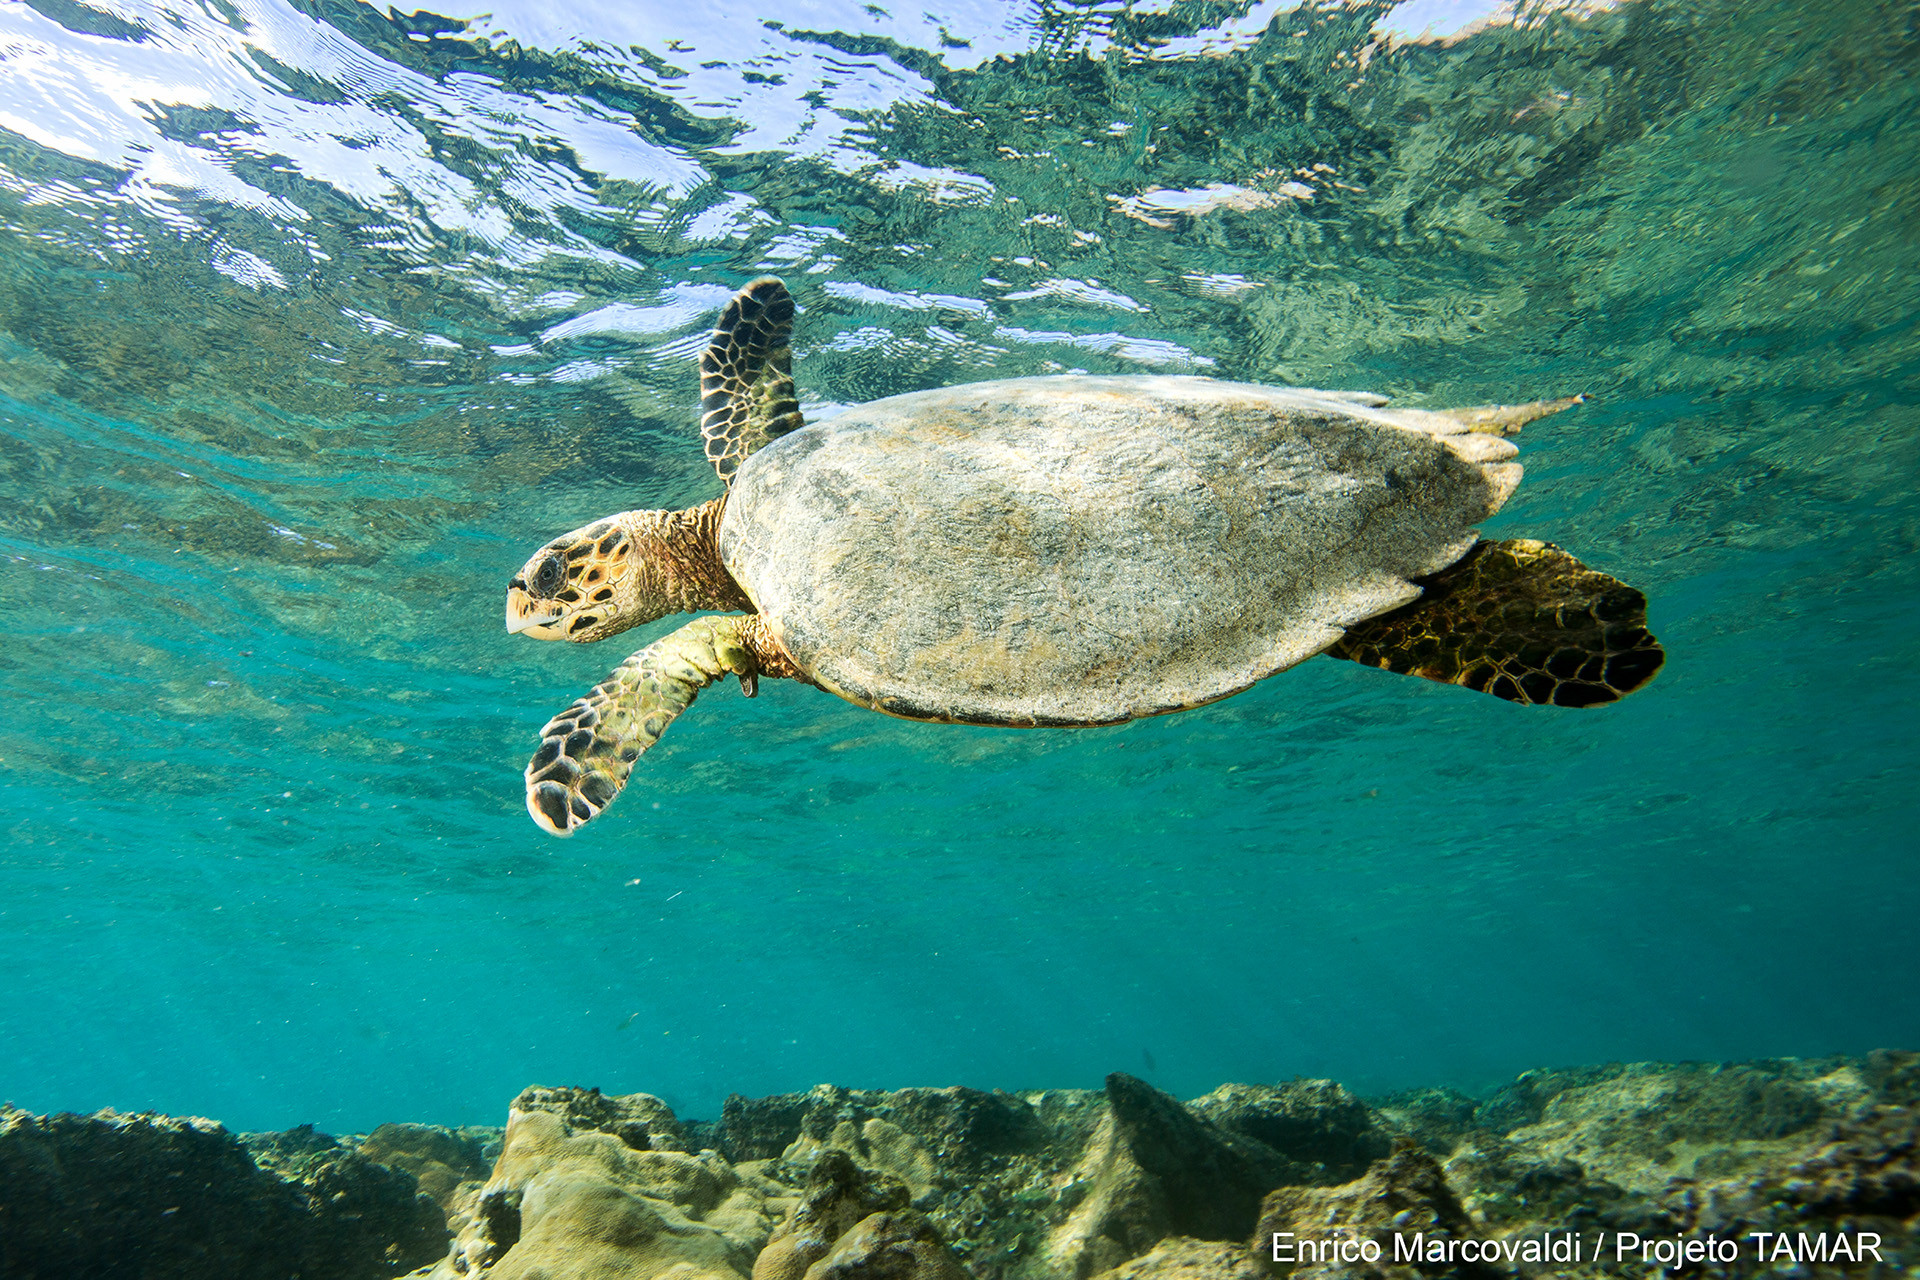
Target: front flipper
{"type": "Point", "coordinates": [587, 751]}
{"type": "Point", "coordinates": [1521, 620]}
{"type": "Point", "coordinates": [746, 376]}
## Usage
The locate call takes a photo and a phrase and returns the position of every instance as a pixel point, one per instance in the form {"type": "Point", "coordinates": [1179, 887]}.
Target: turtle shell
{"type": "Point", "coordinates": [1079, 550]}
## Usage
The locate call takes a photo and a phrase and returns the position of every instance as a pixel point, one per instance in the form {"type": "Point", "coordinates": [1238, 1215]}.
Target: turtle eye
{"type": "Point", "coordinates": [548, 578]}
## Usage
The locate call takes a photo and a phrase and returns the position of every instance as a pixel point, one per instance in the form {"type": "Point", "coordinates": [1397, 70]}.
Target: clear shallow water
{"type": "Point", "coordinates": [314, 321]}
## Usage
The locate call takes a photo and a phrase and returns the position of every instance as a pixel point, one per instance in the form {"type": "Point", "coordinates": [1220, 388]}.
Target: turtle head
{"type": "Point", "coordinates": [621, 572]}
{"type": "Point", "coordinates": [591, 583]}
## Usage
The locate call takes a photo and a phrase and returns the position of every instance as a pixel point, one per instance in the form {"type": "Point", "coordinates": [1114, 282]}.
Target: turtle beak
{"type": "Point", "coordinates": [521, 613]}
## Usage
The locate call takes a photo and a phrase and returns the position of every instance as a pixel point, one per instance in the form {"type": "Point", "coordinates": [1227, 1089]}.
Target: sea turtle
{"type": "Point", "coordinates": [1063, 550]}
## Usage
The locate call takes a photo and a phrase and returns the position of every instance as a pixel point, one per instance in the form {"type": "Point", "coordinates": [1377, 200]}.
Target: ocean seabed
{"type": "Point", "coordinates": [1810, 1166]}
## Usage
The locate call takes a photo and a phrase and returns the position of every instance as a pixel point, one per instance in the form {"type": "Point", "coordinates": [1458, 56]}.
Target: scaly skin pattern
{"type": "Point", "coordinates": [746, 376]}
{"type": "Point", "coordinates": [587, 751]}
{"type": "Point", "coordinates": [688, 558]}
{"type": "Point", "coordinates": [1521, 620]}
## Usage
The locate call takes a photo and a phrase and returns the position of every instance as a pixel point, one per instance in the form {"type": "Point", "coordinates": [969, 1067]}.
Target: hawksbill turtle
{"type": "Point", "coordinates": [1064, 550]}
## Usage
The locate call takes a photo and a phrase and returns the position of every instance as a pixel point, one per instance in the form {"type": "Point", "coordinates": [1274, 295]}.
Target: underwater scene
{"type": "Point", "coordinates": [322, 324]}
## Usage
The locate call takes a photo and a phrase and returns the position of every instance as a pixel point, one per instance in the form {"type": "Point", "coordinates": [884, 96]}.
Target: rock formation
{"type": "Point", "coordinates": [1153, 1168]}
{"type": "Point", "coordinates": [590, 1185]}
{"type": "Point", "coordinates": [839, 1197]}
{"type": "Point", "coordinates": [1125, 1183]}
{"type": "Point", "coordinates": [1405, 1194]}
{"type": "Point", "coordinates": [158, 1197]}
{"type": "Point", "coordinates": [443, 1160]}
{"type": "Point", "coordinates": [1315, 1122]}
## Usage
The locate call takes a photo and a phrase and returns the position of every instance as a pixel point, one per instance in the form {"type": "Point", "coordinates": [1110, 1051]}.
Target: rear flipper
{"type": "Point", "coordinates": [587, 751]}
{"type": "Point", "coordinates": [1521, 620]}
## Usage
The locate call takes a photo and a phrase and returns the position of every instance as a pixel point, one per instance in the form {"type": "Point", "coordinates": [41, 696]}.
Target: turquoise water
{"type": "Point", "coordinates": [315, 320]}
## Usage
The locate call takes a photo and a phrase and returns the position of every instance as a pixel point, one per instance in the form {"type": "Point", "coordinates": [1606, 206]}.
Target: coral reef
{"type": "Point", "coordinates": [977, 1164]}
{"type": "Point", "coordinates": [1153, 1168]}
{"type": "Point", "coordinates": [840, 1196]}
{"type": "Point", "coordinates": [1405, 1193]}
{"type": "Point", "coordinates": [589, 1184]}
{"type": "Point", "coordinates": [1807, 1166]}
{"type": "Point", "coordinates": [889, 1246]}
{"type": "Point", "coordinates": [158, 1197]}
{"type": "Point", "coordinates": [443, 1160]}
{"type": "Point", "coordinates": [1316, 1122]}
{"type": "Point", "coordinates": [1184, 1258]}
